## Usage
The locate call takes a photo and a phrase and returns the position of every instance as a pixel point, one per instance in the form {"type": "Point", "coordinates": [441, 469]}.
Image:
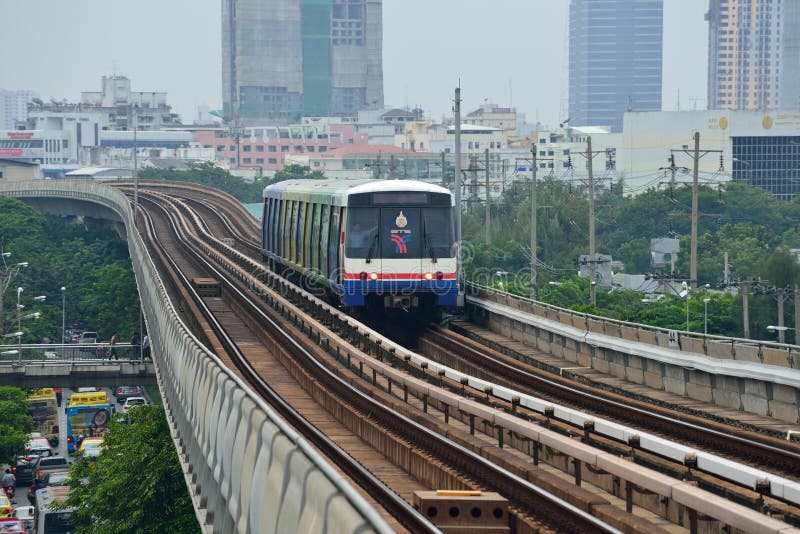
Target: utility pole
{"type": "Point", "coordinates": [592, 264]}
{"type": "Point", "coordinates": [696, 155]}
{"type": "Point", "coordinates": [135, 163]}
{"type": "Point", "coordinates": [534, 208]}
{"type": "Point", "coordinates": [695, 192]}
{"type": "Point", "coordinates": [534, 239]}
{"type": "Point", "coordinates": [589, 154]}
{"type": "Point", "coordinates": [781, 329]}
{"type": "Point", "coordinates": [673, 169]}
{"type": "Point", "coordinates": [745, 311]}
{"type": "Point", "coordinates": [796, 313]}
{"type": "Point", "coordinates": [457, 182]}
{"type": "Point", "coordinates": [488, 202]}
{"type": "Point", "coordinates": [744, 287]}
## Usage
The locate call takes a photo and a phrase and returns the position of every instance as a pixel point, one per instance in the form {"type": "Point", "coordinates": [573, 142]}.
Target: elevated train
{"type": "Point", "coordinates": [374, 245]}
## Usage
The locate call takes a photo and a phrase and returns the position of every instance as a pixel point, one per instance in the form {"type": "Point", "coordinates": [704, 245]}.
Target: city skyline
{"type": "Point", "coordinates": [515, 57]}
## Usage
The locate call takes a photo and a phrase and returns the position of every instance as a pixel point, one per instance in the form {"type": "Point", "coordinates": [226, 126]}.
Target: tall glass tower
{"type": "Point", "coordinates": [615, 57]}
{"type": "Point", "coordinates": [282, 59]}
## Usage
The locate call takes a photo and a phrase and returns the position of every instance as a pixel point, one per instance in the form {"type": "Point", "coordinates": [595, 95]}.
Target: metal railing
{"type": "Point", "coordinates": [39, 353]}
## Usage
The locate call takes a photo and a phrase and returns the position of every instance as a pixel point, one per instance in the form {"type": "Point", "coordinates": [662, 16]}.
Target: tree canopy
{"type": "Point", "coordinates": [86, 256]}
{"type": "Point", "coordinates": [136, 484]}
{"type": "Point", "coordinates": [753, 227]}
{"type": "Point", "coordinates": [213, 176]}
{"type": "Point", "coordinates": [15, 423]}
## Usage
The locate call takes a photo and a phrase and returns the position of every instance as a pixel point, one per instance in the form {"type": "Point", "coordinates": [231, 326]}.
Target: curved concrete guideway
{"type": "Point", "coordinates": [241, 461]}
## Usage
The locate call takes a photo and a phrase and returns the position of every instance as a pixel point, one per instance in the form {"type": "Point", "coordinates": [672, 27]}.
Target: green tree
{"type": "Point", "coordinates": [15, 423]}
{"type": "Point", "coordinates": [295, 172]}
{"type": "Point", "coordinates": [136, 485]}
{"type": "Point", "coordinates": [87, 257]}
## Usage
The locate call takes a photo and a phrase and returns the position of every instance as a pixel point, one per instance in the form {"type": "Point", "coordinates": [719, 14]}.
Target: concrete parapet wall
{"type": "Point", "coordinates": [591, 342]}
{"type": "Point", "coordinates": [224, 433]}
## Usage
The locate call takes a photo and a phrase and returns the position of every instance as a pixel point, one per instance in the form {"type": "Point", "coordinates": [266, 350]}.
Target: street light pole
{"type": "Point", "coordinates": [63, 315]}
{"type": "Point", "coordinates": [705, 315]}
{"type": "Point", "coordinates": [19, 324]}
{"type": "Point", "coordinates": [687, 313]}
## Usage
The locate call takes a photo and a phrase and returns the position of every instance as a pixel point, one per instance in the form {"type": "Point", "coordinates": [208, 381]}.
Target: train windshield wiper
{"type": "Point", "coordinates": [430, 247]}
{"type": "Point", "coordinates": [372, 248]}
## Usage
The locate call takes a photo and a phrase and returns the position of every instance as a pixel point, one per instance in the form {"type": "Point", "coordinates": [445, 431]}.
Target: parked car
{"type": "Point", "coordinates": [132, 402]}
{"type": "Point", "coordinates": [7, 526]}
{"type": "Point", "coordinates": [88, 337]}
{"type": "Point", "coordinates": [25, 514]}
{"type": "Point", "coordinates": [123, 392]}
{"type": "Point", "coordinates": [54, 478]}
{"type": "Point", "coordinates": [23, 469]}
{"type": "Point", "coordinates": [44, 465]}
{"type": "Point", "coordinates": [5, 506]}
{"type": "Point", "coordinates": [38, 447]}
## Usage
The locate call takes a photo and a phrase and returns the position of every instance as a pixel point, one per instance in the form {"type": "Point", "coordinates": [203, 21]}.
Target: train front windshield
{"type": "Point", "coordinates": [400, 232]}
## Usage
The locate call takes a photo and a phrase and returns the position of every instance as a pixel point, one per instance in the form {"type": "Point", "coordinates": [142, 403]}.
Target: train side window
{"type": "Point", "coordinates": [273, 204]}
{"type": "Point", "coordinates": [333, 245]}
{"type": "Point", "coordinates": [307, 234]}
{"type": "Point", "coordinates": [290, 237]}
{"type": "Point", "coordinates": [287, 223]}
{"type": "Point", "coordinates": [265, 226]}
{"type": "Point", "coordinates": [301, 212]}
{"type": "Point", "coordinates": [279, 229]}
{"type": "Point", "coordinates": [315, 213]}
{"type": "Point", "coordinates": [273, 223]}
{"type": "Point", "coordinates": [323, 247]}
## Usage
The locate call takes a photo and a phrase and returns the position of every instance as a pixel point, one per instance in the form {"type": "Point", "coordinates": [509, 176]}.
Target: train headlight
{"type": "Point", "coordinates": [363, 276]}
{"type": "Point", "coordinates": [439, 275]}
{"type": "Point", "coordinates": [373, 276]}
{"type": "Point", "coordinates": [428, 276]}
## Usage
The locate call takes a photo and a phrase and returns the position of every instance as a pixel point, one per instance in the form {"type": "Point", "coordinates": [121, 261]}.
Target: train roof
{"type": "Point", "coordinates": [337, 191]}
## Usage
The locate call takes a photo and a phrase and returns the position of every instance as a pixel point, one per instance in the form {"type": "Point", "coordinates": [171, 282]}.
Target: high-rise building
{"type": "Point", "coordinates": [753, 54]}
{"type": "Point", "coordinates": [14, 107]}
{"type": "Point", "coordinates": [615, 56]}
{"type": "Point", "coordinates": [282, 59]}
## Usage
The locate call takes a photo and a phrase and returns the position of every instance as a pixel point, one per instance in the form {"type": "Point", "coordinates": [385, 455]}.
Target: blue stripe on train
{"type": "Point", "coordinates": [353, 292]}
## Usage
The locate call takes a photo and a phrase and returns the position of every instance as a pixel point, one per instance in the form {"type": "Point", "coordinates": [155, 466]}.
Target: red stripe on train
{"type": "Point", "coordinates": [397, 276]}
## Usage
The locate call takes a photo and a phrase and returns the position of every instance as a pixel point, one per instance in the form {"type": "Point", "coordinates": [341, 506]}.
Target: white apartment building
{"type": "Point", "coordinates": [14, 107]}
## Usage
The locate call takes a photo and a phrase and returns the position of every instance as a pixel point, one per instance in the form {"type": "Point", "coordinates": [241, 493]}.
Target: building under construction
{"type": "Point", "coordinates": [283, 59]}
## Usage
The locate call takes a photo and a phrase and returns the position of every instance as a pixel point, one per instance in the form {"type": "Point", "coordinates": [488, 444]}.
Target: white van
{"type": "Point", "coordinates": [52, 521]}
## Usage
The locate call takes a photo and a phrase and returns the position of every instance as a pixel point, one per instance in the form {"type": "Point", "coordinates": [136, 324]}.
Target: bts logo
{"type": "Point", "coordinates": [401, 242]}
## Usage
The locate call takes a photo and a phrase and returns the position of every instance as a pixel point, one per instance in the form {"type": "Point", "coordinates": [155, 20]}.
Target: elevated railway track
{"type": "Point", "coordinates": [430, 402]}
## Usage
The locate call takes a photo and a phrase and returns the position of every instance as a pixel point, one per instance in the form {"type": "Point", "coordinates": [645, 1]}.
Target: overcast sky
{"type": "Point", "coordinates": [503, 51]}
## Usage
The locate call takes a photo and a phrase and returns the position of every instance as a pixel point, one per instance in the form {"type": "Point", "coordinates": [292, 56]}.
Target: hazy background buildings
{"type": "Point", "coordinates": [753, 54]}
{"type": "Point", "coordinates": [615, 60]}
{"type": "Point", "coordinates": [282, 59]}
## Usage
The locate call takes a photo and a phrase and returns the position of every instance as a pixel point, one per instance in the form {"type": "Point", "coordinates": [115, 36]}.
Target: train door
{"type": "Point", "coordinates": [401, 242]}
